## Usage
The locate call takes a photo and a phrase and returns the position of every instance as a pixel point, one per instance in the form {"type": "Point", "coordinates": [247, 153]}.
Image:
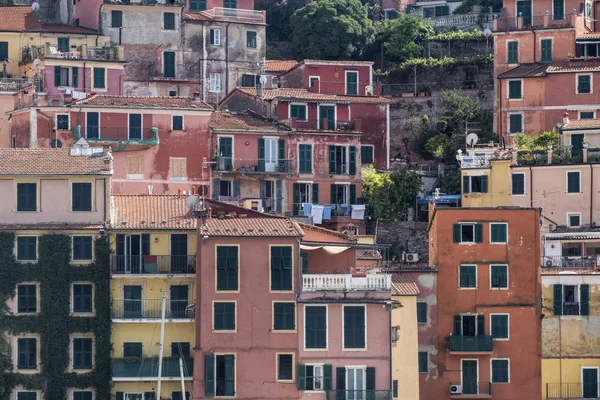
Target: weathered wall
{"type": "Point", "coordinates": [405, 365]}
{"type": "Point", "coordinates": [404, 236]}
{"type": "Point", "coordinates": [499, 186]}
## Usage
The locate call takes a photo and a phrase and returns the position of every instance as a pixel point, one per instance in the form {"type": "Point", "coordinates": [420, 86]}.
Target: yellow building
{"type": "Point", "coordinates": [485, 177]}
{"type": "Point", "coordinates": [405, 340]}
{"type": "Point", "coordinates": [153, 247]}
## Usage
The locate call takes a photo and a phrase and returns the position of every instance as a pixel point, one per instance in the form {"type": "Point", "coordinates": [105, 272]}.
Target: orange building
{"type": "Point", "coordinates": [488, 336]}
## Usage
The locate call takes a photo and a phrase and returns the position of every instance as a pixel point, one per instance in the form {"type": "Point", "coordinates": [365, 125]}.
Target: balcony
{"type": "Point", "coordinates": [470, 390]}
{"type": "Point", "coordinates": [16, 84]}
{"type": "Point", "coordinates": [508, 24]}
{"type": "Point", "coordinates": [571, 390]}
{"type": "Point", "coordinates": [346, 282]}
{"type": "Point", "coordinates": [152, 265]}
{"type": "Point", "coordinates": [237, 14]}
{"type": "Point", "coordinates": [359, 395]}
{"type": "Point", "coordinates": [323, 125]}
{"type": "Point", "coordinates": [133, 309]}
{"type": "Point", "coordinates": [166, 3]}
{"type": "Point", "coordinates": [586, 262]}
{"type": "Point", "coordinates": [82, 52]}
{"type": "Point", "coordinates": [340, 88]}
{"type": "Point", "coordinates": [252, 165]}
{"type": "Point", "coordinates": [471, 344]}
{"type": "Point", "coordinates": [120, 139]}
{"type": "Point", "coordinates": [147, 368]}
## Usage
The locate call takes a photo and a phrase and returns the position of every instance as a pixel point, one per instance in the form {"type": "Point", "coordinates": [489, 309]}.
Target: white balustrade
{"type": "Point", "coordinates": [346, 282]}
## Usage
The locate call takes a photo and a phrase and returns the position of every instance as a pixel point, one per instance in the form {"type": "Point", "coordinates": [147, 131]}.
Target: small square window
{"type": "Point", "coordinates": [132, 349]}
{"type": "Point", "coordinates": [366, 154]}
{"type": "Point", "coordinates": [284, 316]}
{"type": "Point", "coordinates": [82, 197]}
{"type": "Point", "coordinates": [285, 367]}
{"type": "Point", "coordinates": [515, 90]}
{"type": "Point", "coordinates": [27, 248]}
{"type": "Point", "coordinates": [574, 220]}
{"type": "Point", "coordinates": [468, 276]}
{"type": "Point", "coordinates": [177, 122]}
{"type": "Point", "coordinates": [421, 313]}
{"type": "Point", "coordinates": [224, 316]}
{"type": "Point", "coordinates": [586, 115]}
{"type": "Point", "coordinates": [62, 121]}
{"type": "Point", "coordinates": [584, 84]}
{"type": "Point", "coordinates": [215, 37]}
{"type": "Point", "coordinates": [169, 21]}
{"type": "Point", "coordinates": [87, 395]}
{"type": "Point", "coordinates": [499, 276]}
{"type": "Point", "coordinates": [500, 372]}
{"type": "Point", "coordinates": [423, 362]}
{"type": "Point", "coordinates": [82, 248]}
{"type": "Point", "coordinates": [475, 184]}
{"type": "Point", "coordinates": [116, 20]}
{"type": "Point", "coordinates": [515, 122]}
{"type": "Point", "coordinates": [498, 233]}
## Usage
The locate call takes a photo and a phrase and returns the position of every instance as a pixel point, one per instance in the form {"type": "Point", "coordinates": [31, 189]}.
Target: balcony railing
{"type": "Point", "coordinates": [341, 88]}
{"type": "Point", "coordinates": [480, 343]}
{"type": "Point", "coordinates": [346, 282]}
{"type": "Point", "coordinates": [152, 309]}
{"type": "Point", "coordinates": [140, 265]}
{"type": "Point", "coordinates": [237, 14]}
{"type": "Point", "coordinates": [568, 262]}
{"type": "Point", "coordinates": [252, 165]}
{"type": "Point", "coordinates": [15, 84]}
{"type": "Point", "coordinates": [83, 52]}
{"type": "Point", "coordinates": [470, 388]}
{"type": "Point", "coordinates": [172, 3]}
{"type": "Point", "coordinates": [324, 124]}
{"type": "Point", "coordinates": [507, 24]}
{"type": "Point", "coordinates": [359, 395]}
{"type": "Point", "coordinates": [114, 134]}
{"type": "Point", "coordinates": [571, 390]}
{"type": "Point", "coordinates": [570, 308]}
{"type": "Point", "coordinates": [148, 367]}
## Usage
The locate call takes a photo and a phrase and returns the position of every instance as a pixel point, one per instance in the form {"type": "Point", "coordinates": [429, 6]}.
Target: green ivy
{"type": "Point", "coordinates": [443, 62]}
{"type": "Point", "coordinates": [54, 323]}
{"type": "Point", "coordinates": [457, 35]}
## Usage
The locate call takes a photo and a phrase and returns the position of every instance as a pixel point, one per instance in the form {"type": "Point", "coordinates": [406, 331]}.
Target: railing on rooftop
{"type": "Point", "coordinates": [154, 264]}
{"type": "Point", "coordinates": [131, 367]}
{"type": "Point", "coordinates": [323, 124]}
{"type": "Point", "coordinates": [252, 165]}
{"type": "Point", "coordinates": [461, 20]}
{"type": "Point", "coordinates": [238, 14]}
{"type": "Point", "coordinates": [109, 133]}
{"type": "Point", "coordinates": [16, 84]}
{"type": "Point", "coordinates": [346, 282]}
{"type": "Point", "coordinates": [471, 388]}
{"type": "Point", "coordinates": [359, 395]}
{"type": "Point", "coordinates": [172, 3]}
{"type": "Point", "coordinates": [341, 88]}
{"type": "Point", "coordinates": [587, 262]}
{"type": "Point", "coordinates": [479, 343]}
{"type": "Point", "coordinates": [519, 23]}
{"type": "Point", "coordinates": [151, 309]}
{"type": "Point", "coordinates": [82, 52]}
{"type": "Point", "coordinates": [571, 390]}
{"type": "Point", "coordinates": [558, 155]}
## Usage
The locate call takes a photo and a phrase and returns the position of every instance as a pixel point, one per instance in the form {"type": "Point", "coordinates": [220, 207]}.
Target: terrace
{"type": "Point", "coordinates": [540, 21]}
{"type": "Point", "coordinates": [346, 282]}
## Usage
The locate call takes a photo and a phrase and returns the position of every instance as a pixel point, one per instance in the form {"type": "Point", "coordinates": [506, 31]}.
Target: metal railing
{"type": "Point", "coordinates": [109, 133]}
{"type": "Point", "coordinates": [237, 14]}
{"type": "Point", "coordinates": [359, 395]}
{"type": "Point", "coordinates": [471, 343]}
{"type": "Point", "coordinates": [258, 165]}
{"type": "Point", "coordinates": [152, 309]}
{"type": "Point", "coordinates": [505, 24]}
{"type": "Point", "coordinates": [570, 308]}
{"type": "Point", "coordinates": [477, 161]}
{"type": "Point", "coordinates": [14, 84]}
{"type": "Point", "coordinates": [167, 3]}
{"type": "Point", "coordinates": [571, 390]}
{"type": "Point", "coordinates": [587, 262]}
{"type": "Point", "coordinates": [325, 124]}
{"type": "Point", "coordinates": [535, 157]}
{"type": "Point", "coordinates": [346, 282]}
{"type": "Point", "coordinates": [470, 388]}
{"type": "Point", "coordinates": [148, 367]}
{"type": "Point", "coordinates": [341, 88]}
{"type": "Point", "coordinates": [155, 264]}
{"type": "Point", "coordinates": [461, 20]}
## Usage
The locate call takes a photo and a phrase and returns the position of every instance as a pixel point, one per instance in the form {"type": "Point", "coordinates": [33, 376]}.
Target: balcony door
{"type": "Point", "coordinates": [133, 396]}
{"type": "Point", "coordinates": [179, 300]}
{"type": "Point", "coordinates": [270, 155]}
{"type": "Point", "coordinates": [132, 301]}
{"type": "Point", "coordinates": [132, 253]}
{"type": "Point", "coordinates": [225, 153]}
{"type": "Point", "coordinates": [179, 251]}
{"type": "Point", "coordinates": [524, 9]}
{"type": "Point", "coordinates": [577, 145]}
{"type": "Point", "coordinates": [589, 382]}
{"type": "Point", "coordinates": [329, 113]}
{"type": "Point", "coordinates": [355, 383]}
{"type": "Point", "coordinates": [469, 325]}
{"type": "Point", "coordinates": [469, 373]}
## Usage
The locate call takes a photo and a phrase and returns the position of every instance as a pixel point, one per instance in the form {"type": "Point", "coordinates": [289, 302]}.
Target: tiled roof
{"type": "Point", "coordinates": [144, 102]}
{"type": "Point", "coordinates": [338, 62]}
{"type": "Point", "coordinates": [49, 226]}
{"type": "Point", "coordinates": [402, 285]}
{"type": "Point", "coordinates": [280, 65]}
{"type": "Point", "coordinates": [305, 94]}
{"type": "Point", "coordinates": [60, 28]}
{"type": "Point", "coordinates": [18, 18]}
{"type": "Point", "coordinates": [151, 212]}
{"type": "Point", "coordinates": [525, 71]}
{"type": "Point", "coordinates": [251, 227]}
{"type": "Point", "coordinates": [326, 231]}
{"type": "Point", "coordinates": [572, 66]}
{"type": "Point", "coordinates": [581, 229]}
{"type": "Point", "coordinates": [225, 120]}
{"type": "Point", "coordinates": [368, 255]}
{"type": "Point", "coordinates": [50, 162]}
{"type": "Point", "coordinates": [196, 17]}
{"type": "Point", "coordinates": [589, 35]}
{"type": "Point", "coordinates": [577, 124]}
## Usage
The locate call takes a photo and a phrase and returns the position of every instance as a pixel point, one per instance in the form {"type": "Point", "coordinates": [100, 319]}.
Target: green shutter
{"type": "Point", "coordinates": [332, 159]}
{"type": "Point", "coordinates": [209, 374]}
{"type": "Point", "coordinates": [456, 230]}
{"type": "Point", "coordinates": [514, 89]}
{"type": "Point", "coordinates": [57, 76]}
{"type": "Point", "coordinates": [558, 302]}
{"type": "Point", "coordinates": [75, 76]}
{"type": "Point", "coordinates": [315, 193]}
{"type": "Point", "coordinates": [547, 49]}
{"type": "Point", "coordinates": [352, 194]}
{"type": "Point", "coordinates": [281, 149]}
{"type": "Point", "coordinates": [146, 244]}
{"type": "Point", "coordinates": [279, 196]}
{"type": "Point", "coordinates": [229, 375]}
{"type": "Point", "coordinates": [120, 396]}
{"type": "Point", "coordinates": [480, 325]}
{"type": "Point", "coordinates": [327, 376]}
{"type": "Point", "coordinates": [513, 52]}
{"type": "Point", "coordinates": [116, 19]}
{"type": "Point", "coordinates": [370, 384]}
{"type": "Point", "coordinates": [296, 198]}
{"type": "Point", "coordinates": [301, 377]}
{"type": "Point", "coordinates": [457, 325]}
{"type": "Point", "coordinates": [333, 193]}
{"type": "Point", "coordinates": [169, 64]}
{"type": "Point", "coordinates": [484, 184]}
{"type": "Point", "coordinates": [466, 181]}
{"type": "Point", "coordinates": [99, 82]}
{"type": "Point", "coordinates": [236, 188]}
{"type": "Point", "coordinates": [584, 299]}
{"type": "Point", "coordinates": [583, 84]}
{"type": "Point", "coordinates": [478, 233]}
{"type": "Point", "coordinates": [352, 158]}
{"type": "Point", "coordinates": [263, 189]}
{"type": "Point", "coordinates": [261, 154]}
{"type": "Point", "coordinates": [340, 378]}
{"type": "Point", "coordinates": [558, 9]}
{"type": "Point", "coordinates": [149, 396]}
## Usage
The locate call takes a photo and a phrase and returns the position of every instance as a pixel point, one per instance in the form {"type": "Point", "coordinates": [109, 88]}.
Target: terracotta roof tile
{"type": "Point", "coordinates": [18, 18]}
{"type": "Point", "coordinates": [578, 124]}
{"type": "Point", "coordinates": [226, 120]}
{"type": "Point", "coordinates": [144, 102]}
{"type": "Point", "coordinates": [61, 28]}
{"type": "Point", "coordinates": [589, 35]}
{"type": "Point", "coordinates": [573, 66]}
{"type": "Point", "coordinates": [49, 226]}
{"type": "Point", "coordinates": [525, 71]}
{"type": "Point", "coordinates": [280, 65]}
{"type": "Point", "coordinates": [150, 212]}
{"type": "Point", "coordinates": [251, 227]}
{"type": "Point", "coordinates": [402, 285]}
{"type": "Point", "coordinates": [305, 94]}
{"type": "Point", "coordinates": [50, 162]}
{"type": "Point", "coordinates": [196, 17]}
{"type": "Point", "coordinates": [368, 255]}
{"type": "Point", "coordinates": [326, 231]}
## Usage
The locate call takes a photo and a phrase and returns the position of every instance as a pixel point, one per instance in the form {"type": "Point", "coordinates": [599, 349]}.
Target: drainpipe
{"type": "Point", "coordinates": [390, 342]}
{"type": "Point", "coordinates": [591, 195]}
{"type": "Point", "coordinates": [530, 187]}
{"type": "Point", "coordinates": [500, 135]}
{"type": "Point", "coordinates": [227, 57]}
{"type": "Point", "coordinates": [84, 76]}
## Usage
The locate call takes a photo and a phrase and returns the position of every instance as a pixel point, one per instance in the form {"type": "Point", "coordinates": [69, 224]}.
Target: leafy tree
{"type": "Point", "coordinates": [449, 183]}
{"type": "Point", "coordinates": [404, 35]}
{"type": "Point", "coordinates": [439, 146]}
{"type": "Point", "coordinates": [420, 130]}
{"type": "Point", "coordinates": [391, 195]}
{"type": "Point", "coordinates": [541, 142]}
{"type": "Point", "coordinates": [278, 19]}
{"type": "Point", "coordinates": [331, 29]}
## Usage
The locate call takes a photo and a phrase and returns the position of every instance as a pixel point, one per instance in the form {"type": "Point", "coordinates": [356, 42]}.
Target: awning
{"type": "Point", "coordinates": [328, 249]}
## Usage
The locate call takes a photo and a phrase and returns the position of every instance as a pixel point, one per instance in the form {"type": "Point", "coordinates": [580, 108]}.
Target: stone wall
{"type": "Point", "coordinates": [404, 236]}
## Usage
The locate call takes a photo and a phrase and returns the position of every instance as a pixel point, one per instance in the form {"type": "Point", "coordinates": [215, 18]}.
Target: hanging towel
{"type": "Point", "coordinates": [358, 211]}
{"type": "Point", "coordinates": [327, 213]}
{"type": "Point", "coordinates": [306, 207]}
{"type": "Point", "coordinates": [317, 214]}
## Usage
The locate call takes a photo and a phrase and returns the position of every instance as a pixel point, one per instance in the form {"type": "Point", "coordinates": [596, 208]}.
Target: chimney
{"type": "Point", "coordinates": [259, 90]}
{"type": "Point", "coordinates": [108, 159]}
{"type": "Point", "coordinates": [565, 118]}
{"type": "Point", "coordinates": [178, 192]}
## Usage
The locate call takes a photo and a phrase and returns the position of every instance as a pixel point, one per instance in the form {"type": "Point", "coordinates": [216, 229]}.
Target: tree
{"type": "Point", "coordinates": [403, 36]}
{"type": "Point", "coordinates": [449, 183]}
{"type": "Point", "coordinates": [278, 19]}
{"type": "Point", "coordinates": [331, 29]}
{"type": "Point", "coordinates": [391, 195]}
{"type": "Point", "coordinates": [438, 146]}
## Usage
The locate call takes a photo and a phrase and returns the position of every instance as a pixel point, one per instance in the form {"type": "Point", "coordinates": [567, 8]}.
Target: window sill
{"type": "Point", "coordinates": [19, 314]}
{"type": "Point", "coordinates": [348, 350]}
{"type": "Point", "coordinates": [27, 261]}
{"type": "Point", "coordinates": [498, 288]}
{"type": "Point", "coordinates": [500, 340]}
{"type": "Point", "coordinates": [28, 371]}
{"type": "Point", "coordinates": [81, 262]}
{"type": "Point", "coordinates": [135, 177]}
{"type": "Point", "coordinates": [286, 381]}
{"type": "Point", "coordinates": [83, 314]}
{"type": "Point", "coordinates": [283, 331]}
{"type": "Point", "coordinates": [80, 370]}
{"type": "Point", "coordinates": [226, 291]}
{"type": "Point", "coordinates": [319, 349]}
{"type": "Point", "coordinates": [223, 331]}
{"type": "Point", "coordinates": [467, 288]}
{"type": "Point", "coordinates": [498, 242]}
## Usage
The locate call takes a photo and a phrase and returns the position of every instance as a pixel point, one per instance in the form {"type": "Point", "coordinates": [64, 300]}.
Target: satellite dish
{"type": "Point", "coordinates": [263, 79]}
{"type": "Point", "coordinates": [35, 6]}
{"type": "Point", "coordinates": [37, 62]}
{"type": "Point", "coordinates": [191, 201]}
{"type": "Point", "coordinates": [487, 32]}
{"type": "Point", "coordinates": [472, 139]}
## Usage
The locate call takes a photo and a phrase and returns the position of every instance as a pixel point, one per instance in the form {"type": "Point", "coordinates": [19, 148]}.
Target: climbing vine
{"type": "Point", "coordinates": [54, 324]}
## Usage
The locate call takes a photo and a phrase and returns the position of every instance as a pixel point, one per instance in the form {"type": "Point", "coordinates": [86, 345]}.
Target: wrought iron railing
{"type": "Point", "coordinates": [152, 309]}
{"type": "Point", "coordinates": [155, 264]}
{"type": "Point", "coordinates": [359, 395]}
{"type": "Point", "coordinates": [250, 165]}
{"type": "Point", "coordinates": [471, 343]}
{"type": "Point", "coordinates": [571, 390]}
{"type": "Point", "coordinates": [172, 3]}
{"type": "Point", "coordinates": [569, 262]}
{"type": "Point", "coordinates": [109, 133]}
{"type": "Point", "coordinates": [148, 367]}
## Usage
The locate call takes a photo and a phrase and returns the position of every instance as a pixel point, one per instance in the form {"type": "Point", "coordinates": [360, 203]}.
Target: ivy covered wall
{"type": "Point", "coordinates": [54, 323]}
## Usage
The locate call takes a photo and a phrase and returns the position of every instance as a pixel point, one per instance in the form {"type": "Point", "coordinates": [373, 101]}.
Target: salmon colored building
{"type": "Point", "coordinates": [487, 261]}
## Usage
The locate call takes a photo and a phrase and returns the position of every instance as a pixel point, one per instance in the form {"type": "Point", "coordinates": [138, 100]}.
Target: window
{"type": "Point", "coordinates": [366, 154]}
{"type": "Point", "coordinates": [588, 10]}
{"type": "Point", "coordinates": [26, 197]}
{"type": "Point", "coordinates": [177, 123]}
{"type": "Point", "coordinates": [26, 298]}
{"type": "Point", "coordinates": [395, 388]}
{"type": "Point", "coordinates": [224, 316]}
{"type": "Point", "coordinates": [570, 301]}
{"type": "Point", "coordinates": [92, 125]}
{"type": "Point", "coordinates": [135, 167]}
{"type": "Point", "coordinates": [215, 37]}
{"type": "Point", "coordinates": [352, 83]}
{"type": "Point", "coordinates": [586, 114]}
{"type": "Point", "coordinates": [284, 316]}
{"type": "Point", "coordinates": [343, 195]}
{"type": "Point", "coordinates": [573, 182]}
{"type": "Point", "coordinates": [354, 327]}
{"type": "Point", "coordinates": [315, 327]}
{"type": "Point", "coordinates": [116, 19]}
{"type": "Point", "coordinates": [500, 372]}
{"type": "Point", "coordinates": [281, 268]}
{"type": "Point", "coordinates": [82, 248]}
{"type": "Point", "coordinates": [62, 121]}
{"type": "Point", "coordinates": [468, 276]}
{"type": "Point", "coordinates": [251, 39]}
{"type": "Point", "coordinates": [177, 396]}
{"type": "Point", "coordinates": [134, 130]}
{"type": "Point", "coordinates": [342, 160]}
{"type": "Point", "coordinates": [215, 83]}
{"type": "Point", "coordinates": [305, 159]}
{"type": "Point", "coordinates": [82, 353]}
{"type": "Point", "coordinates": [132, 349]}
{"type": "Point", "coordinates": [229, 3]}
{"type": "Point", "coordinates": [3, 51]}
{"type": "Point", "coordinates": [99, 78]}
{"type": "Point", "coordinates": [227, 268]}
{"type": "Point", "coordinates": [468, 233]}
{"type": "Point", "coordinates": [63, 45]}
{"type": "Point", "coordinates": [514, 90]}
{"type": "Point", "coordinates": [219, 375]}
{"type": "Point", "coordinates": [475, 184]}
{"type": "Point", "coordinates": [197, 5]}
{"type": "Point", "coordinates": [314, 81]}
{"type": "Point", "coordinates": [26, 248]}
{"type": "Point", "coordinates": [314, 377]}
{"type": "Point", "coordinates": [390, 14]}
{"type": "Point", "coordinates": [546, 49]}
{"type": "Point", "coordinates": [249, 80]}
{"type": "Point", "coordinates": [285, 367]}
{"type": "Point", "coordinates": [423, 362]}
{"type": "Point", "coordinates": [421, 313]}
{"type": "Point", "coordinates": [82, 298]}
{"type": "Point", "coordinates": [498, 232]}
{"type": "Point", "coordinates": [298, 111]}
{"type": "Point", "coordinates": [82, 196]}
{"type": "Point", "coordinates": [499, 276]}
{"type": "Point", "coordinates": [87, 395]}
{"type": "Point", "coordinates": [513, 52]}
{"type": "Point", "coordinates": [180, 349]}
{"type": "Point", "coordinates": [499, 324]}
{"type": "Point", "coordinates": [573, 220]}
{"type": "Point", "coordinates": [515, 123]}
{"type": "Point", "coordinates": [222, 188]}
{"type": "Point", "coordinates": [518, 183]}
{"type": "Point", "coordinates": [27, 353]}
{"type": "Point", "coordinates": [27, 396]}
{"type": "Point", "coordinates": [169, 21]}
{"type": "Point", "coordinates": [169, 64]}
{"type": "Point", "coordinates": [558, 9]}
{"type": "Point", "coordinates": [584, 84]}
{"type": "Point", "coordinates": [178, 168]}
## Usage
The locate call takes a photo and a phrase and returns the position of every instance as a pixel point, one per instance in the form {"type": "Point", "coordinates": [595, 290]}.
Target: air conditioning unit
{"type": "Point", "coordinates": [412, 257]}
{"type": "Point", "coordinates": [455, 389]}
